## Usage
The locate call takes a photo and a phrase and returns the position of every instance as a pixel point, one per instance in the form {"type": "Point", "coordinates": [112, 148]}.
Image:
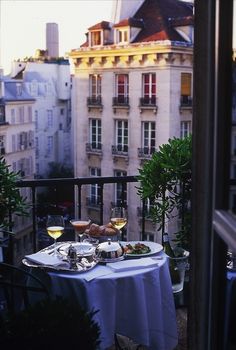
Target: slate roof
{"type": "Point", "coordinates": [157, 20]}
{"type": "Point", "coordinates": [11, 92]}
{"type": "Point", "coordinates": [158, 16]}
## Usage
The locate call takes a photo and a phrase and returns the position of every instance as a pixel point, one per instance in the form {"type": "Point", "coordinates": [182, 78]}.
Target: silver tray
{"type": "Point", "coordinates": [82, 264]}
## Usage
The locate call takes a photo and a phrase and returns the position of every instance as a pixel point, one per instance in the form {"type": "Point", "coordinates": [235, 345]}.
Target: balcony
{"type": "Point", "coordinates": [120, 151]}
{"type": "Point", "coordinates": [186, 102]}
{"type": "Point", "coordinates": [146, 152]}
{"type": "Point", "coordinates": [148, 103]}
{"type": "Point", "coordinates": [120, 102]}
{"type": "Point", "coordinates": [94, 149]}
{"type": "Point", "coordinates": [94, 102]}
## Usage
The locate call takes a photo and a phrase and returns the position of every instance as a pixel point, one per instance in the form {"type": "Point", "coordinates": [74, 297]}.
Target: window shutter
{"type": "Point", "coordinates": [185, 84]}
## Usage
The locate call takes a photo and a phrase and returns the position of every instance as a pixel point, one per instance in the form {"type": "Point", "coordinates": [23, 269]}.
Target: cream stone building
{"type": "Point", "coordinates": [132, 91]}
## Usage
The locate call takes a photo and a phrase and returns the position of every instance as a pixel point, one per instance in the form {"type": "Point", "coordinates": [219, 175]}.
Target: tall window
{"type": "Point", "coordinates": [49, 145]}
{"type": "Point", "coordinates": [122, 135]}
{"type": "Point", "coordinates": [36, 120]}
{"type": "Point", "coordinates": [185, 129]}
{"type": "Point", "coordinates": [186, 88]}
{"type": "Point", "coordinates": [149, 88]}
{"type": "Point", "coordinates": [120, 190]}
{"type": "Point", "coordinates": [95, 188]}
{"type": "Point", "coordinates": [13, 117]}
{"type": "Point", "coordinates": [95, 133]}
{"type": "Point", "coordinates": [122, 88]}
{"type": "Point", "coordinates": [95, 87]}
{"type": "Point", "coordinates": [21, 115]}
{"type": "Point", "coordinates": [30, 118]}
{"type": "Point", "coordinates": [148, 137]}
{"type": "Point", "coordinates": [49, 118]}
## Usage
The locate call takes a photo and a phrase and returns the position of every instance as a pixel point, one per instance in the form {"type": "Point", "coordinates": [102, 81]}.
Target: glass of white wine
{"type": "Point", "coordinates": [118, 217]}
{"type": "Point", "coordinates": [55, 228]}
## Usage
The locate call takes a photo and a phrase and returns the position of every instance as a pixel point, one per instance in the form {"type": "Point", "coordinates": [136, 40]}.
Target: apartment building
{"type": "Point", "coordinates": [17, 146]}
{"type": "Point", "coordinates": [132, 91]}
{"type": "Point", "coordinates": [47, 79]}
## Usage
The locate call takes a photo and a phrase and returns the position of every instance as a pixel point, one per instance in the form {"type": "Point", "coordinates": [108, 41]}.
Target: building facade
{"type": "Point", "coordinates": [132, 91]}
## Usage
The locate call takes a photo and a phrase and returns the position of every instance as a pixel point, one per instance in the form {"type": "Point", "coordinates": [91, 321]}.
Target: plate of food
{"type": "Point", "coordinates": [141, 248]}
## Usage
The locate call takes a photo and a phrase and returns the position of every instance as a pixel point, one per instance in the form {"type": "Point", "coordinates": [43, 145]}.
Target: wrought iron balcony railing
{"type": "Point", "coordinates": [94, 148]}
{"type": "Point", "coordinates": [146, 152]}
{"type": "Point", "coordinates": [120, 101]}
{"type": "Point", "coordinates": [121, 150]}
{"type": "Point", "coordinates": [94, 101]}
{"type": "Point", "coordinates": [186, 101]}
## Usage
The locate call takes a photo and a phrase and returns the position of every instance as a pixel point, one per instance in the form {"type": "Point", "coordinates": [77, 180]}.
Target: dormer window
{"type": "Point", "coordinates": [96, 38]}
{"type": "Point", "coordinates": [121, 36]}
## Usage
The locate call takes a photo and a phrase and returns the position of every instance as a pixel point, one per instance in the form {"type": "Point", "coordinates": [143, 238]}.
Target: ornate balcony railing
{"type": "Point", "coordinates": [146, 152]}
{"type": "Point", "coordinates": [94, 148]}
{"type": "Point", "coordinates": [186, 101]}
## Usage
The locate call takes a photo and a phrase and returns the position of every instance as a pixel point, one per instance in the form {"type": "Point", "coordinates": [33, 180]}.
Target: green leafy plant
{"type": "Point", "coordinates": [50, 324]}
{"type": "Point", "coordinates": [11, 201]}
{"type": "Point", "coordinates": [165, 180]}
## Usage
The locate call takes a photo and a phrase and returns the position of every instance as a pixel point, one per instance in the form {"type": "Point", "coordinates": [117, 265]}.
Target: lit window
{"type": "Point", "coordinates": [149, 88]}
{"type": "Point", "coordinates": [122, 88]}
{"type": "Point", "coordinates": [96, 38]}
{"type": "Point", "coordinates": [186, 88]}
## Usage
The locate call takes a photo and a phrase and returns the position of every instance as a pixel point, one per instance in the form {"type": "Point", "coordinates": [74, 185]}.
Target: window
{"type": "Point", "coordinates": [95, 88]}
{"type": "Point", "coordinates": [122, 135]}
{"type": "Point", "coordinates": [2, 114]}
{"type": "Point", "coordinates": [121, 36]}
{"type": "Point", "coordinates": [49, 145]}
{"type": "Point", "coordinates": [186, 88]}
{"type": "Point", "coordinates": [148, 237]}
{"type": "Point", "coordinates": [49, 118]}
{"type": "Point", "coordinates": [149, 88]}
{"type": "Point", "coordinates": [21, 115]}
{"type": "Point", "coordinates": [96, 38]}
{"type": "Point", "coordinates": [185, 129]}
{"type": "Point", "coordinates": [95, 188]}
{"type": "Point", "coordinates": [122, 88]}
{"type": "Point", "coordinates": [2, 145]}
{"type": "Point", "coordinates": [30, 114]}
{"type": "Point", "coordinates": [36, 120]}
{"type": "Point", "coordinates": [95, 133]}
{"type": "Point", "coordinates": [18, 89]}
{"type": "Point", "coordinates": [13, 117]}
{"type": "Point", "coordinates": [148, 137]}
{"type": "Point", "coordinates": [13, 142]}
{"type": "Point", "coordinates": [120, 190]}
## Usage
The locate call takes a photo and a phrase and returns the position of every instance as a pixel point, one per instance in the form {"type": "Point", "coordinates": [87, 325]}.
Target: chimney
{"type": "Point", "coordinates": [52, 39]}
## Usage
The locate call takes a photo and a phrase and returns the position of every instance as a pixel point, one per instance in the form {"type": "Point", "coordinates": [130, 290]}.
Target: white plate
{"type": "Point", "coordinates": [83, 249]}
{"type": "Point", "coordinates": [155, 247]}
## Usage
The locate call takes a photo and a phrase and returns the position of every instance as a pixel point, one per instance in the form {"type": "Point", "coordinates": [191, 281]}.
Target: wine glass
{"type": "Point", "coordinates": [80, 226]}
{"type": "Point", "coordinates": [118, 217]}
{"type": "Point", "coordinates": [55, 228]}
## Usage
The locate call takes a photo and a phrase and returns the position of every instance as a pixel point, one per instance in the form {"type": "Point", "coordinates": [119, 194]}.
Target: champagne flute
{"type": "Point", "coordinates": [80, 226]}
{"type": "Point", "coordinates": [118, 217]}
{"type": "Point", "coordinates": [55, 228]}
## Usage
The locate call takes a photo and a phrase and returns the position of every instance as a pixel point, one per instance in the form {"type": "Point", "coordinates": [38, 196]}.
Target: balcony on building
{"type": "Point", "coordinates": [120, 102]}
{"type": "Point", "coordinates": [94, 102]}
{"type": "Point", "coordinates": [120, 151]}
{"type": "Point", "coordinates": [148, 103]}
{"type": "Point", "coordinates": [94, 149]}
{"type": "Point", "coordinates": [186, 102]}
{"type": "Point", "coordinates": [146, 152]}
{"type": "Point", "coordinates": [93, 203]}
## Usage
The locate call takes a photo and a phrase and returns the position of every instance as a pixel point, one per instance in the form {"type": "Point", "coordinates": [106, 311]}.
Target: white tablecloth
{"type": "Point", "coordinates": [136, 303]}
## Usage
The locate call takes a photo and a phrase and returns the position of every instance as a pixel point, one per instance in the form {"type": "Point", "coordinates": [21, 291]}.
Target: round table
{"type": "Point", "coordinates": [137, 303]}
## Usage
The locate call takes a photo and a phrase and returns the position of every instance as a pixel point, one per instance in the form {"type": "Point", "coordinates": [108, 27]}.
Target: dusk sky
{"type": "Point", "coordinates": [23, 25]}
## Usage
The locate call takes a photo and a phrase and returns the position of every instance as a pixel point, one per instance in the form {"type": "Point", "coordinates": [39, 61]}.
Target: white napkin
{"type": "Point", "coordinates": [134, 264]}
{"type": "Point", "coordinates": [45, 259]}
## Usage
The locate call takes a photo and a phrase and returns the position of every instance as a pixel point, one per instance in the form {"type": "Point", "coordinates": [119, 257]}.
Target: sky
{"type": "Point", "coordinates": [23, 25]}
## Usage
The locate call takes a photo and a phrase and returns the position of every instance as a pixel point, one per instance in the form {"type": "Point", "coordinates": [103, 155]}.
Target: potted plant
{"type": "Point", "coordinates": [11, 201]}
{"type": "Point", "coordinates": [165, 180]}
